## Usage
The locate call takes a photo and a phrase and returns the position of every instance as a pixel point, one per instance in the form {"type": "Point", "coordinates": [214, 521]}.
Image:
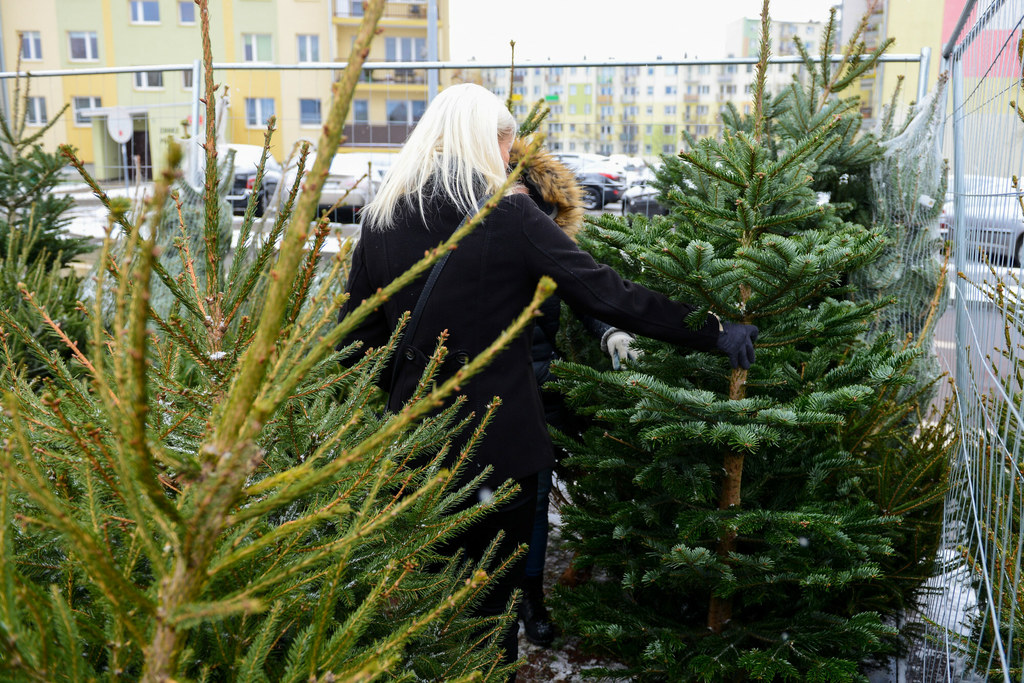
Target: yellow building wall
{"type": "Point", "coordinates": [914, 24]}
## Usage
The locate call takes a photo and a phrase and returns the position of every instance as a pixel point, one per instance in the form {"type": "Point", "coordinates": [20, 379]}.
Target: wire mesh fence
{"type": "Point", "coordinates": [974, 617]}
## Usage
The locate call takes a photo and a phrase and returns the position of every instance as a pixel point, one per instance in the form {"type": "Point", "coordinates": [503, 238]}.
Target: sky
{"type": "Point", "coordinates": [607, 29]}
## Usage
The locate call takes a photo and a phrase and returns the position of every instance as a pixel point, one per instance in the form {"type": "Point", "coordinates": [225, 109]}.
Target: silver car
{"type": "Point", "coordinates": [993, 218]}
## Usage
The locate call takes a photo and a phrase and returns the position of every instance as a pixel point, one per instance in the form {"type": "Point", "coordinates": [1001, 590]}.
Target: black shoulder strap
{"type": "Point", "coordinates": [421, 303]}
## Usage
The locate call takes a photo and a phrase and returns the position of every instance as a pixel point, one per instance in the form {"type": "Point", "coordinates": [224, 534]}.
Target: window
{"type": "Point", "coordinates": [83, 46]}
{"type": "Point", "coordinates": [405, 49]}
{"type": "Point", "coordinates": [554, 128]}
{"type": "Point", "coordinates": [648, 129]}
{"type": "Point", "coordinates": [309, 48]}
{"type": "Point", "coordinates": [31, 46]}
{"type": "Point", "coordinates": [35, 111]}
{"type": "Point", "coordinates": [361, 111]}
{"type": "Point", "coordinates": [650, 111]}
{"type": "Point", "coordinates": [258, 110]}
{"type": "Point", "coordinates": [673, 70]}
{"type": "Point", "coordinates": [588, 89]}
{"type": "Point", "coordinates": [186, 12]}
{"type": "Point", "coordinates": [309, 112]}
{"type": "Point", "coordinates": [572, 108]}
{"type": "Point", "coordinates": [145, 11]}
{"type": "Point", "coordinates": [587, 108]}
{"type": "Point", "coordinates": [149, 80]}
{"type": "Point", "coordinates": [670, 109]}
{"type": "Point", "coordinates": [704, 90]}
{"type": "Point", "coordinates": [405, 111]}
{"type": "Point", "coordinates": [650, 90]}
{"type": "Point", "coordinates": [78, 104]}
{"type": "Point", "coordinates": [671, 90]}
{"type": "Point", "coordinates": [536, 90]}
{"type": "Point", "coordinates": [572, 90]}
{"type": "Point", "coordinates": [256, 47]}
{"type": "Point", "coordinates": [670, 129]}
{"type": "Point", "coordinates": [702, 109]}
{"type": "Point", "coordinates": [704, 69]}
{"type": "Point", "coordinates": [186, 79]}
{"type": "Point", "coordinates": [668, 149]}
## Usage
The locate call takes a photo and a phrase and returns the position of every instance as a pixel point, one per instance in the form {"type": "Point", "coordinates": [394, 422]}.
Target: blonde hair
{"type": "Point", "coordinates": [453, 151]}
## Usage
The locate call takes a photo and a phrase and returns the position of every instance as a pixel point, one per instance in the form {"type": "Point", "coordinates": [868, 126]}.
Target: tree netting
{"type": "Point", "coordinates": [909, 184]}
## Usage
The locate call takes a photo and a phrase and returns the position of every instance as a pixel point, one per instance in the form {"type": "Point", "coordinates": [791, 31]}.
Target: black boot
{"type": "Point", "coordinates": [537, 624]}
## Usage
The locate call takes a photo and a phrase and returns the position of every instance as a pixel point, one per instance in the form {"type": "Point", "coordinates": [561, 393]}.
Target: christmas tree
{"type": "Point", "coordinates": [34, 249]}
{"type": "Point", "coordinates": [742, 525]}
{"type": "Point", "coordinates": [216, 498]}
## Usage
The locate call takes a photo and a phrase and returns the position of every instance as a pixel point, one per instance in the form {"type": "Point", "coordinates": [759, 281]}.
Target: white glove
{"type": "Point", "coordinates": [617, 344]}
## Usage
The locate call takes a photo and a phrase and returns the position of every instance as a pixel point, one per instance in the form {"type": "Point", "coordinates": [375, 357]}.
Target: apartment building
{"type": "Point", "coordinates": [644, 110]}
{"type": "Point", "coordinates": [913, 24]}
{"type": "Point", "coordinates": [388, 102]}
{"type": "Point", "coordinates": [157, 104]}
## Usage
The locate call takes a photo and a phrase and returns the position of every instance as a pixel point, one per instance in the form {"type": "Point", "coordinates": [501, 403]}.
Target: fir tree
{"type": "Point", "coordinates": [735, 515]}
{"type": "Point", "coordinates": [217, 498]}
{"type": "Point", "coordinates": [34, 250]}
{"type": "Point", "coordinates": [28, 175]}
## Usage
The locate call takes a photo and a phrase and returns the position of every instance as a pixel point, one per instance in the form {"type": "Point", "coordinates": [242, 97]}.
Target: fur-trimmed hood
{"type": "Point", "coordinates": [552, 186]}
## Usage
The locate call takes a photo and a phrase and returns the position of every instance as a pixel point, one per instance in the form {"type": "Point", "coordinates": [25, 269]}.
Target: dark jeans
{"type": "Point", "coordinates": [516, 519]}
{"type": "Point", "coordinates": [539, 537]}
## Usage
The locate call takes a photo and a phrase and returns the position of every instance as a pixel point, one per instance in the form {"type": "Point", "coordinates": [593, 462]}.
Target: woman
{"type": "Point", "coordinates": [457, 155]}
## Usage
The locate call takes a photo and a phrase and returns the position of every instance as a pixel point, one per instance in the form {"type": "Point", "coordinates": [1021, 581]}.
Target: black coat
{"type": "Point", "coordinates": [486, 283]}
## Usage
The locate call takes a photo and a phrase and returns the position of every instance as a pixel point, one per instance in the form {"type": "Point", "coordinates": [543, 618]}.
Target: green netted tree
{"type": "Point", "coordinates": [216, 498]}
{"type": "Point", "coordinates": [744, 525]}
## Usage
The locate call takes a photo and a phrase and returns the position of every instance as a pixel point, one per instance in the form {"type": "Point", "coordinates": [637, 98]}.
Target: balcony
{"type": "Point", "coordinates": [351, 12]}
{"type": "Point", "coordinates": [604, 99]}
{"type": "Point", "coordinates": [404, 76]}
{"type": "Point", "coordinates": [376, 134]}
{"type": "Point", "coordinates": [691, 98]}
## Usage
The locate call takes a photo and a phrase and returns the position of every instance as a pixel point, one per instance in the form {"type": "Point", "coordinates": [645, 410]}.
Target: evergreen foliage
{"type": "Point", "coordinates": [28, 175]}
{"type": "Point", "coordinates": [217, 498]}
{"type": "Point", "coordinates": [34, 251]}
{"type": "Point", "coordinates": [761, 524]}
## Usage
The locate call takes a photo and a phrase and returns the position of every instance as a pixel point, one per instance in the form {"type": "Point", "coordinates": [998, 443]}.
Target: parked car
{"type": "Point", "coordinates": [345, 182]}
{"type": "Point", "coordinates": [993, 221]}
{"type": "Point", "coordinates": [602, 181]}
{"type": "Point", "coordinates": [643, 199]}
{"type": "Point", "coordinates": [247, 159]}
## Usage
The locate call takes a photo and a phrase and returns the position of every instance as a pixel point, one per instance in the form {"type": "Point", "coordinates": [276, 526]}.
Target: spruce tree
{"type": "Point", "coordinates": [28, 176]}
{"type": "Point", "coordinates": [734, 517]}
{"type": "Point", "coordinates": [34, 248]}
{"type": "Point", "coordinates": [217, 498]}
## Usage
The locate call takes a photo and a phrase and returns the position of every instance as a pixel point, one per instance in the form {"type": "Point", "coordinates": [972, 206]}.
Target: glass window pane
{"type": "Point", "coordinates": [361, 110]}
{"type": "Point", "coordinates": [151, 11]}
{"type": "Point", "coordinates": [418, 107]}
{"type": "Point", "coordinates": [263, 47]}
{"type": "Point", "coordinates": [309, 112]}
{"type": "Point", "coordinates": [397, 111]}
{"type": "Point", "coordinates": [187, 12]}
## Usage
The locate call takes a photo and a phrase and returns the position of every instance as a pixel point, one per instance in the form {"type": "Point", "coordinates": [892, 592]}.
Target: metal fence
{"type": "Point", "coordinates": [635, 109]}
{"type": "Point", "coordinates": [975, 614]}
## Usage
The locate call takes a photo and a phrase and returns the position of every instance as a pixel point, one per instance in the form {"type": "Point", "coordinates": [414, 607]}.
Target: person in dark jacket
{"type": "Point", "coordinates": [554, 189]}
{"type": "Point", "coordinates": [456, 156]}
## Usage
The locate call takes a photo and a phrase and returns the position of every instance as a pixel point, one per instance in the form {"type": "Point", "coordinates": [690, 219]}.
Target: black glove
{"type": "Point", "coordinates": [737, 341]}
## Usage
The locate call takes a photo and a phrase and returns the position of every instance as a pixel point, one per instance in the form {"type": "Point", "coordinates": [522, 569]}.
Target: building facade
{"type": "Point", "coordinates": [157, 104]}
